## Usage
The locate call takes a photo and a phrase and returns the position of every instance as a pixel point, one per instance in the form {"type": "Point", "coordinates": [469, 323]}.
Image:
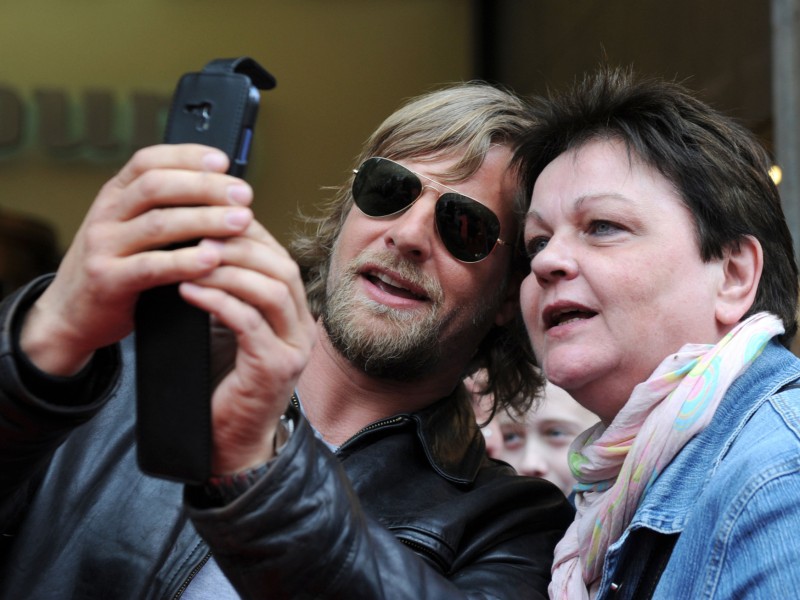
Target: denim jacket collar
{"type": "Point", "coordinates": [666, 504]}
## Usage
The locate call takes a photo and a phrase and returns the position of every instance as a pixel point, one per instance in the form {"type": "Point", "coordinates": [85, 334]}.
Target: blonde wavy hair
{"type": "Point", "coordinates": [465, 118]}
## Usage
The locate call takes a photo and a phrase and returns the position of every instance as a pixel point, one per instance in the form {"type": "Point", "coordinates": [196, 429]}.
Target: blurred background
{"type": "Point", "coordinates": [83, 83]}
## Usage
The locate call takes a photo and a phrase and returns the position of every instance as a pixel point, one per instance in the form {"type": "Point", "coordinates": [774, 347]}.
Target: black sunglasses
{"type": "Point", "coordinates": [468, 229]}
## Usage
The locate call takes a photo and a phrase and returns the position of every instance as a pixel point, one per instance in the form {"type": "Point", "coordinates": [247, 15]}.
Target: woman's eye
{"type": "Point", "coordinates": [559, 435]}
{"type": "Point", "coordinates": [556, 433]}
{"type": "Point", "coordinates": [535, 245]}
{"type": "Point", "coordinates": [603, 228]}
{"type": "Point", "coordinates": [513, 439]}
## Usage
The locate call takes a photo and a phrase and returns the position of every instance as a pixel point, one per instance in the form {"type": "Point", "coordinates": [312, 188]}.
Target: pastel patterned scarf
{"type": "Point", "coordinates": [616, 465]}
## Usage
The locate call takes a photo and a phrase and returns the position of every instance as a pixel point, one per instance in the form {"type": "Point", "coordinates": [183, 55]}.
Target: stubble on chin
{"type": "Point", "coordinates": [384, 341]}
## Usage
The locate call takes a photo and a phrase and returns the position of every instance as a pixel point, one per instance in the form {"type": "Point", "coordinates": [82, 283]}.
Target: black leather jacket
{"type": "Point", "coordinates": [410, 508]}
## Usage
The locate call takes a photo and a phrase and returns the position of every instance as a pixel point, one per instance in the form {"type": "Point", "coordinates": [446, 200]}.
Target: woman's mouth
{"type": "Point", "coordinates": [557, 316]}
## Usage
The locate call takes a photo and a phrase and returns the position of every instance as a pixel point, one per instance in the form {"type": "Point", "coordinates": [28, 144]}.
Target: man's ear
{"type": "Point", "coordinates": [742, 264]}
{"type": "Point", "coordinates": [510, 306]}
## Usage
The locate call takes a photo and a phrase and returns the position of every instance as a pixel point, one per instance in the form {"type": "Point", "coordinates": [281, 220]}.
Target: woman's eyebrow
{"type": "Point", "coordinates": [578, 204]}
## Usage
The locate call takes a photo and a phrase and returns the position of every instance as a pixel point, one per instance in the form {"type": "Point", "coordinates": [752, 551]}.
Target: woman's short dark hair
{"type": "Point", "coordinates": [718, 168]}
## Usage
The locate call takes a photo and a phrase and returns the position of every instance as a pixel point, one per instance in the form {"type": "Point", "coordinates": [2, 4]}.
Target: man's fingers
{"type": "Point", "coordinates": [259, 252]}
{"type": "Point", "coordinates": [158, 228]}
{"type": "Point", "coordinates": [171, 156]}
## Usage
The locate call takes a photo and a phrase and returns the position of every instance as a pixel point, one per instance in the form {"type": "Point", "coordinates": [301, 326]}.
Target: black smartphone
{"type": "Point", "coordinates": [217, 107]}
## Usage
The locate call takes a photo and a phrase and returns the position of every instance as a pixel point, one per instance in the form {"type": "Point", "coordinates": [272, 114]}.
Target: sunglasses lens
{"type": "Point", "coordinates": [382, 187]}
{"type": "Point", "coordinates": [468, 229]}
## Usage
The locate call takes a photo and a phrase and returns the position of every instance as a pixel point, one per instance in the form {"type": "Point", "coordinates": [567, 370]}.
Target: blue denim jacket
{"type": "Point", "coordinates": [733, 494]}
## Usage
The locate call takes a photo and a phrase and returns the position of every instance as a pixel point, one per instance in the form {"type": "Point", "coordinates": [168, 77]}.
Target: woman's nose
{"type": "Point", "coordinates": [555, 260]}
{"type": "Point", "coordinates": [412, 232]}
{"type": "Point", "coordinates": [533, 463]}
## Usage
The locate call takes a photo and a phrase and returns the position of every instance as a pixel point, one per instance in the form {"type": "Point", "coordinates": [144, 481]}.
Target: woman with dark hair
{"type": "Point", "coordinates": [662, 297]}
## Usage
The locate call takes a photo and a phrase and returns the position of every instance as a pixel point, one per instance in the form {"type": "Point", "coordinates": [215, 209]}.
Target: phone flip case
{"type": "Point", "coordinates": [216, 107]}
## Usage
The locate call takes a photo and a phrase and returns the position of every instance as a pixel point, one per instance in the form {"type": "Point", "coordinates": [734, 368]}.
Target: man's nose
{"type": "Point", "coordinates": [413, 232]}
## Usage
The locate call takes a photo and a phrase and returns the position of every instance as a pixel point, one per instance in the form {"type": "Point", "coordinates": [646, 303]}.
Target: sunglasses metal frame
{"type": "Point", "coordinates": [450, 190]}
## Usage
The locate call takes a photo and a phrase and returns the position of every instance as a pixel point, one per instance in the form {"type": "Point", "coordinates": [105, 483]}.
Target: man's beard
{"type": "Point", "coordinates": [403, 344]}
{"type": "Point", "coordinates": [386, 342]}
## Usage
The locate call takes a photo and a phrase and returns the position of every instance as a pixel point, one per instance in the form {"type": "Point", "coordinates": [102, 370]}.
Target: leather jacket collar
{"type": "Point", "coordinates": [451, 438]}
{"type": "Point", "coordinates": [447, 431]}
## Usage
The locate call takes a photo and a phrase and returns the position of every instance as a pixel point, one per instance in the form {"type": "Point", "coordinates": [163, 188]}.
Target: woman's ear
{"type": "Point", "coordinates": [742, 264]}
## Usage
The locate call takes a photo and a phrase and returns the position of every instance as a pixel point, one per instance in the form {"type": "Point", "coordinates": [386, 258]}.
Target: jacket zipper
{"type": "Point", "coordinates": [377, 425]}
{"type": "Point", "coordinates": [425, 551]}
{"type": "Point", "coordinates": [371, 427]}
{"type": "Point", "coordinates": [191, 576]}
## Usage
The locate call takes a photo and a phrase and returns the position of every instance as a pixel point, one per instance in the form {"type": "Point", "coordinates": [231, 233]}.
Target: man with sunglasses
{"type": "Point", "coordinates": [346, 459]}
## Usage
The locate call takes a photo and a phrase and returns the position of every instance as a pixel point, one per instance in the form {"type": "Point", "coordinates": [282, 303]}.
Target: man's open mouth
{"type": "Point", "coordinates": [395, 287]}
